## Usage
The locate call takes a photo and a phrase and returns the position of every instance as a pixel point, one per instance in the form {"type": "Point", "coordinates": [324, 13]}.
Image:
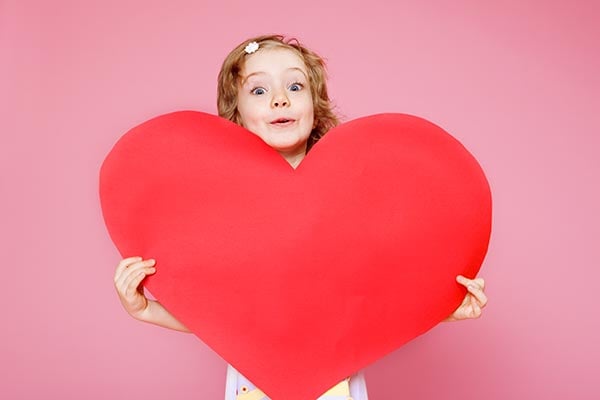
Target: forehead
{"type": "Point", "coordinates": [272, 61]}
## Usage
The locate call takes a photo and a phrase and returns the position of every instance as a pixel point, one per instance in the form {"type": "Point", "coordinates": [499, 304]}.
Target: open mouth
{"type": "Point", "coordinates": [282, 121]}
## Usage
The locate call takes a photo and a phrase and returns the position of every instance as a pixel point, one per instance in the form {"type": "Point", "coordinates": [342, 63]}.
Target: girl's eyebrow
{"type": "Point", "coordinates": [263, 73]}
{"type": "Point", "coordinates": [298, 69]}
{"type": "Point", "coordinates": [252, 74]}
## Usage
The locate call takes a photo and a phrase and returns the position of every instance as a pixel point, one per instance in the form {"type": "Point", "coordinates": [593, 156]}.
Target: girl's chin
{"type": "Point", "coordinates": [287, 144]}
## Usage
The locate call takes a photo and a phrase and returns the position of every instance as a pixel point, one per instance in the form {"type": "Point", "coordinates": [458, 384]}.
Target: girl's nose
{"type": "Point", "coordinates": [280, 100]}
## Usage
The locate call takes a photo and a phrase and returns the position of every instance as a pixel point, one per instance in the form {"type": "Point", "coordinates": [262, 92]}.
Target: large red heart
{"type": "Point", "coordinates": [303, 275]}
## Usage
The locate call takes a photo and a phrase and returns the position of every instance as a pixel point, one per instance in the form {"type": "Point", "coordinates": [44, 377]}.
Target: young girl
{"type": "Point", "coordinates": [276, 89]}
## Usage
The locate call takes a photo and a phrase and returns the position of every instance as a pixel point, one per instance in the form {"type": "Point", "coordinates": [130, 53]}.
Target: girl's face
{"type": "Point", "coordinates": [275, 101]}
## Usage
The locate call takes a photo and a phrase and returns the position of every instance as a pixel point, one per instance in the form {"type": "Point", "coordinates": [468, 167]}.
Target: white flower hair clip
{"type": "Point", "coordinates": [251, 47]}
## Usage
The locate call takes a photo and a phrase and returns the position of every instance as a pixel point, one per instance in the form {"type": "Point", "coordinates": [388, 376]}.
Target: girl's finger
{"type": "Point", "coordinates": [124, 263]}
{"type": "Point", "coordinates": [145, 269]}
{"type": "Point", "coordinates": [132, 280]}
{"type": "Point", "coordinates": [466, 281]}
{"type": "Point", "coordinates": [478, 294]}
{"type": "Point", "coordinates": [131, 289]}
{"type": "Point", "coordinates": [462, 280]}
{"type": "Point", "coordinates": [476, 308]}
{"type": "Point", "coordinates": [132, 269]}
{"type": "Point", "coordinates": [480, 282]}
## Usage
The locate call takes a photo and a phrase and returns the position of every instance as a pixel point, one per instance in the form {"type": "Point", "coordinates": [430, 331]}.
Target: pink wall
{"type": "Point", "coordinates": [517, 82]}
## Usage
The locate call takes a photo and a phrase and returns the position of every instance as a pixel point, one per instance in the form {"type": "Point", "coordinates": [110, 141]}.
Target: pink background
{"type": "Point", "coordinates": [516, 81]}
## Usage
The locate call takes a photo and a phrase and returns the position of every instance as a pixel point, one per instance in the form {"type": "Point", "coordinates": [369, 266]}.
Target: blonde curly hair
{"type": "Point", "coordinates": [229, 79]}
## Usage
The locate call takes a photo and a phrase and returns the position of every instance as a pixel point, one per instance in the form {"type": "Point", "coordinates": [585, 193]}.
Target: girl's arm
{"type": "Point", "coordinates": [128, 277]}
{"type": "Point", "coordinates": [473, 302]}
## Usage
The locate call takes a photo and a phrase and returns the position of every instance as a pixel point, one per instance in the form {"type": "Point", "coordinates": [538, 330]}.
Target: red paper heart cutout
{"type": "Point", "coordinates": [303, 275]}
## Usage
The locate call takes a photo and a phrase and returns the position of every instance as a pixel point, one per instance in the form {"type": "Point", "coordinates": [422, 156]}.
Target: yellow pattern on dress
{"type": "Point", "coordinates": [341, 389]}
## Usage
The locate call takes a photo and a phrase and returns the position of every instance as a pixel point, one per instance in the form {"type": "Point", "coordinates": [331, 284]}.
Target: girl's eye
{"type": "Point", "coordinates": [258, 90]}
{"type": "Point", "coordinates": [294, 87]}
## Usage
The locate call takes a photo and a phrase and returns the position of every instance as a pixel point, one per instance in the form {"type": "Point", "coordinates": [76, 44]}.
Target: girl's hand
{"type": "Point", "coordinates": [474, 301]}
{"type": "Point", "coordinates": [128, 277]}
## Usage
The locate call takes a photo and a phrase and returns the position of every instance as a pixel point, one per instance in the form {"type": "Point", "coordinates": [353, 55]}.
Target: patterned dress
{"type": "Point", "coordinates": [237, 387]}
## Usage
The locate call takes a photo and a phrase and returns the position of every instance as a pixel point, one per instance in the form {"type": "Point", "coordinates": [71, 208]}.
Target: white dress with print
{"type": "Point", "coordinates": [237, 387]}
